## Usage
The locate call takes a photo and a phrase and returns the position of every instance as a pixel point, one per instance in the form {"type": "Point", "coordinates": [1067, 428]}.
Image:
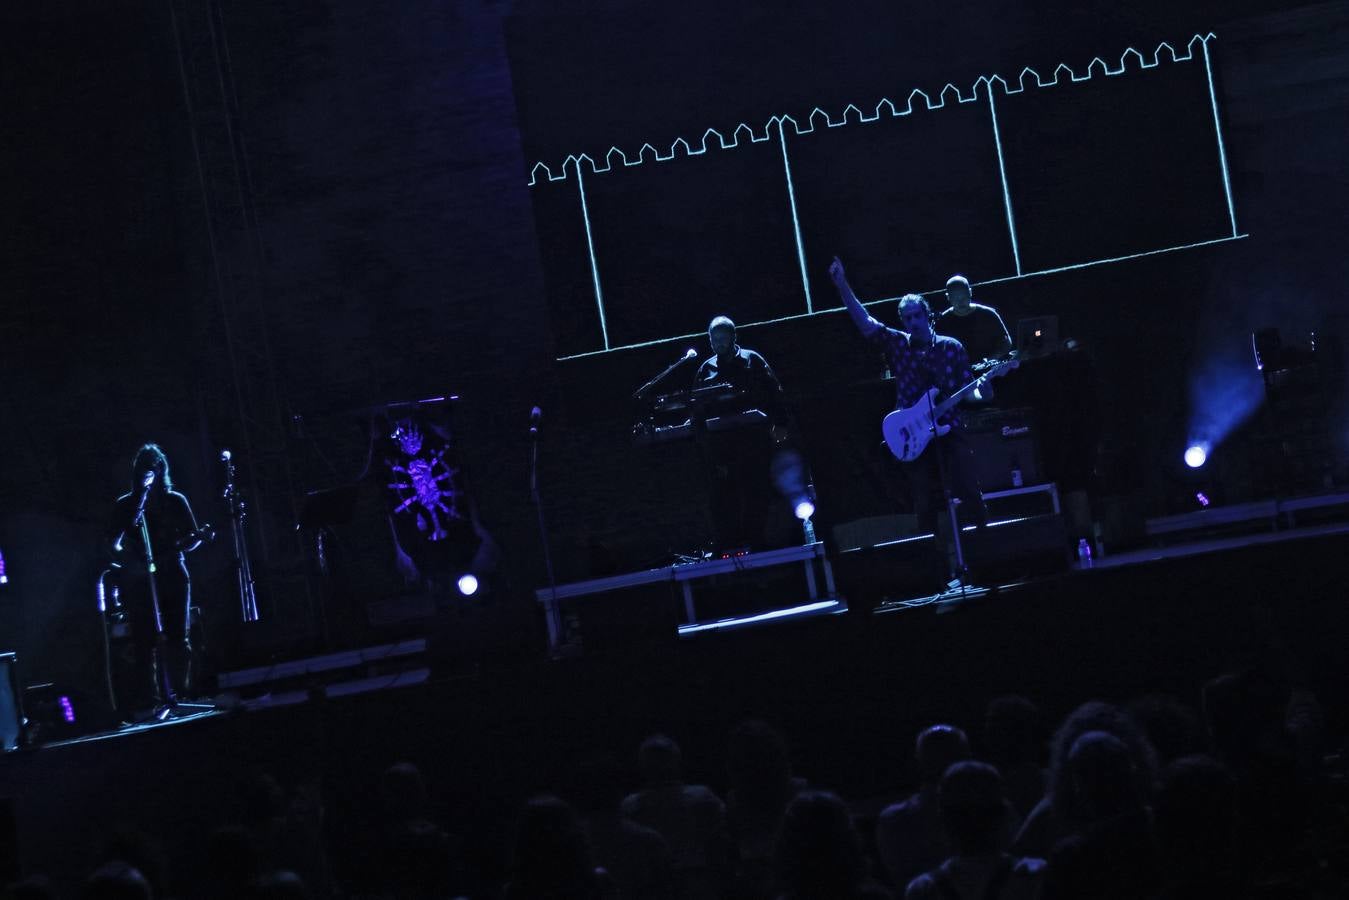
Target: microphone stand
{"type": "Point", "coordinates": [641, 392]}
{"type": "Point", "coordinates": [243, 566]}
{"type": "Point", "coordinates": [554, 615]}
{"type": "Point", "coordinates": [961, 572]}
{"type": "Point", "coordinates": [163, 684]}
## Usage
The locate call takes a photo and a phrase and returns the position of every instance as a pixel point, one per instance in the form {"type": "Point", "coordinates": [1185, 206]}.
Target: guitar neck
{"type": "Point", "coordinates": [995, 371]}
{"type": "Point", "coordinates": [952, 401]}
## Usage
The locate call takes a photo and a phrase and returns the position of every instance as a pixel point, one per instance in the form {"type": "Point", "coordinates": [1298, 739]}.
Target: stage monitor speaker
{"type": "Point", "coordinates": [11, 704]}
{"type": "Point", "coordinates": [1003, 442]}
{"type": "Point", "coordinates": [1018, 549]}
{"type": "Point", "coordinates": [901, 569]}
{"type": "Point", "coordinates": [58, 712]}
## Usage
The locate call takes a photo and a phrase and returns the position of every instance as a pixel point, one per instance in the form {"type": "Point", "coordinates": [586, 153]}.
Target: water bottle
{"type": "Point", "coordinates": [808, 527]}
{"type": "Point", "coordinates": [1084, 554]}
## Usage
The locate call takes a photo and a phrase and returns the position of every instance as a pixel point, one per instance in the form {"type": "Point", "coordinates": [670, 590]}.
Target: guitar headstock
{"type": "Point", "coordinates": [993, 368]}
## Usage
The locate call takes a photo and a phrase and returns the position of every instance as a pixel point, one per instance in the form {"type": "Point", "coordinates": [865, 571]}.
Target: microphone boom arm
{"type": "Point", "coordinates": [642, 391]}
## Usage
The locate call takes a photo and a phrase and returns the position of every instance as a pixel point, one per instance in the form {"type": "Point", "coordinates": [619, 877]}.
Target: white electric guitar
{"type": "Point", "coordinates": [908, 431]}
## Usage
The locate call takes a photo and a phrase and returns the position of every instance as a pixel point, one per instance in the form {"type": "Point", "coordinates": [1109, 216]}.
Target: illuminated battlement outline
{"type": "Point", "coordinates": [776, 126]}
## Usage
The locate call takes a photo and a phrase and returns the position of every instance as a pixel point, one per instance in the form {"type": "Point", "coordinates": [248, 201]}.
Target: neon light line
{"type": "Point", "coordinates": [1222, 151]}
{"type": "Point", "coordinates": [759, 617]}
{"type": "Point", "coordinates": [837, 309]}
{"type": "Point", "coordinates": [594, 268]}
{"type": "Point", "coordinates": [614, 157]}
{"type": "Point", "coordinates": [1115, 259]}
{"type": "Point", "coordinates": [796, 223]}
{"type": "Point", "coordinates": [1002, 171]}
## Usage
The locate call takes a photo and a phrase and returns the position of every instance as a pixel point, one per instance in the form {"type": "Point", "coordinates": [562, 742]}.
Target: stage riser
{"type": "Point", "coordinates": [906, 569]}
{"type": "Point", "coordinates": [896, 571]}
{"type": "Point", "coordinates": [850, 692]}
{"type": "Point", "coordinates": [1018, 550]}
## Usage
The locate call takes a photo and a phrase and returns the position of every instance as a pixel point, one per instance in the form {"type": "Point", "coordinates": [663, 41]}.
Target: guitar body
{"type": "Point", "coordinates": [908, 431]}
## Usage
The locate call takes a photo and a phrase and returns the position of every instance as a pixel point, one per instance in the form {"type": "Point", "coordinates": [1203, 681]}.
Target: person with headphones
{"type": "Point", "coordinates": [978, 327]}
{"type": "Point", "coordinates": [920, 359]}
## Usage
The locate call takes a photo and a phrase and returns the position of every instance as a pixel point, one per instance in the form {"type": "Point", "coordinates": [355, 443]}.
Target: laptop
{"type": "Point", "coordinates": [1037, 336]}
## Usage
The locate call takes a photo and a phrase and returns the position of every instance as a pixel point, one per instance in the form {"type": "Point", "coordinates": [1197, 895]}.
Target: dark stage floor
{"type": "Point", "coordinates": [849, 691]}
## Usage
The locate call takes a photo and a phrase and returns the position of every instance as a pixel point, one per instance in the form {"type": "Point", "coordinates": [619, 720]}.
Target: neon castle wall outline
{"type": "Point", "coordinates": [778, 127]}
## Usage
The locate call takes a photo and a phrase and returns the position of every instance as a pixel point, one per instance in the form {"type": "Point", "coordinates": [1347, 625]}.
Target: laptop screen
{"type": "Point", "coordinates": [1037, 335]}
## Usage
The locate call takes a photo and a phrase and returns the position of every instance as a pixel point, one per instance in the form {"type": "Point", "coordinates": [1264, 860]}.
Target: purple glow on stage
{"type": "Point", "coordinates": [1225, 389]}
{"type": "Point", "coordinates": [4, 578]}
{"type": "Point", "coordinates": [67, 710]}
{"type": "Point", "coordinates": [1202, 498]}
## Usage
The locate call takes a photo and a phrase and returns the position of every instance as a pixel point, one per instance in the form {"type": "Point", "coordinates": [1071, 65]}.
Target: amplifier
{"type": "Point", "coordinates": [1005, 448]}
{"type": "Point", "coordinates": [11, 704]}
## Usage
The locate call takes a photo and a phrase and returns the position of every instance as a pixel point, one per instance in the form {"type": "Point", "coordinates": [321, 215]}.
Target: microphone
{"type": "Point", "coordinates": [689, 354]}
{"type": "Point", "coordinates": [226, 456]}
{"type": "Point", "coordinates": [147, 480]}
{"type": "Point", "coordinates": [535, 415]}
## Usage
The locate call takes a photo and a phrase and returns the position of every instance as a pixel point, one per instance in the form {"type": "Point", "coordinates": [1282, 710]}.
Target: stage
{"type": "Point", "coordinates": [848, 690]}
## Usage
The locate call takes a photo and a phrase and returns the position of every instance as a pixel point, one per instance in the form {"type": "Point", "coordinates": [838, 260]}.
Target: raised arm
{"type": "Point", "coordinates": [856, 311]}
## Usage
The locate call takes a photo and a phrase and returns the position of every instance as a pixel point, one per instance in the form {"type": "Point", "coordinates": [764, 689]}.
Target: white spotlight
{"type": "Point", "coordinates": [1196, 456]}
{"type": "Point", "coordinates": [804, 509]}
{"type": "Point", "coordinates": [468, 584]}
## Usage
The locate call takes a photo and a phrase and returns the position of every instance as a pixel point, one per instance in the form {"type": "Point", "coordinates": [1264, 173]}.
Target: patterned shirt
{"type": "Point", "coordinates": [942, 364]}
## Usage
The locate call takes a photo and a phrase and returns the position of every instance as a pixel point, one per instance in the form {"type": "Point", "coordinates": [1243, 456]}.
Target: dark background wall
{"type": "Point", "coordinates": [386, 246]}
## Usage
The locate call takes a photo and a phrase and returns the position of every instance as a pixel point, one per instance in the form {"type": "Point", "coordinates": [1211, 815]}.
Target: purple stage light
{"type": "Point", "coordinates": [1202, 498]}
{"type": "Point", "coordinates": [1196, 456]}
{"type": "Point", "coordinates": [468, 584]}
{"type": "Point", "coordinates": [4, 579]}
{"type": "Point", "coordinates": [805, 509]}
{"type": "Point", "coordinates": [67, 710]}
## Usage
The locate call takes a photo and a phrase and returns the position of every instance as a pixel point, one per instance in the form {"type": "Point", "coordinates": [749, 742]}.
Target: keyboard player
{"type": "Point", "coordinates": [741, 433]}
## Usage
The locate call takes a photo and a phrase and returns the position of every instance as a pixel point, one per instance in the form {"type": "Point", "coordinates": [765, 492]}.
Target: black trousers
{"type": "Point", "coordinates": [137, 681]}
{"type": "Point", "coordinates": [951, 451]}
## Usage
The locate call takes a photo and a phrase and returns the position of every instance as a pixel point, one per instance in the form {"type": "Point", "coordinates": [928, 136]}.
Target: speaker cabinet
{"type": "Point", "coordinates": [1019, 549]}
{"type": "Point", "coordinates": [900, 569]}
{"type": "Point", "coordinates": [1003, 441]}
{"type": "Point", "coordinates": [11, 705]}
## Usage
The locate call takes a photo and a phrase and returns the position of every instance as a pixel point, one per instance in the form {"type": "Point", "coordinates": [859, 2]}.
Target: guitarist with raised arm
{"type": "Point", "coordinates": [929, 369]}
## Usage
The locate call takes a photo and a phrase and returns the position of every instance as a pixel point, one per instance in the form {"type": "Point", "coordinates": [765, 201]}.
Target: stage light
{"type": "Point", "coordinates": [468, 584]}
{"type": "Point", "coordinates": [1266, 345]}
{"type": "Point", "coordinates": [804, 509]}
{"type": "Point", "coordinates": [1202, 498]}
{"type": "Point", "coordinates": [4, 579]}
{"type": "Point", "coordinates": [1196, 456]}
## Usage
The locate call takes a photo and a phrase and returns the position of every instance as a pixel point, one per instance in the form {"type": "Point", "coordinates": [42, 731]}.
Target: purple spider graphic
{"type": "Point", "coordinates": [428, 484]}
